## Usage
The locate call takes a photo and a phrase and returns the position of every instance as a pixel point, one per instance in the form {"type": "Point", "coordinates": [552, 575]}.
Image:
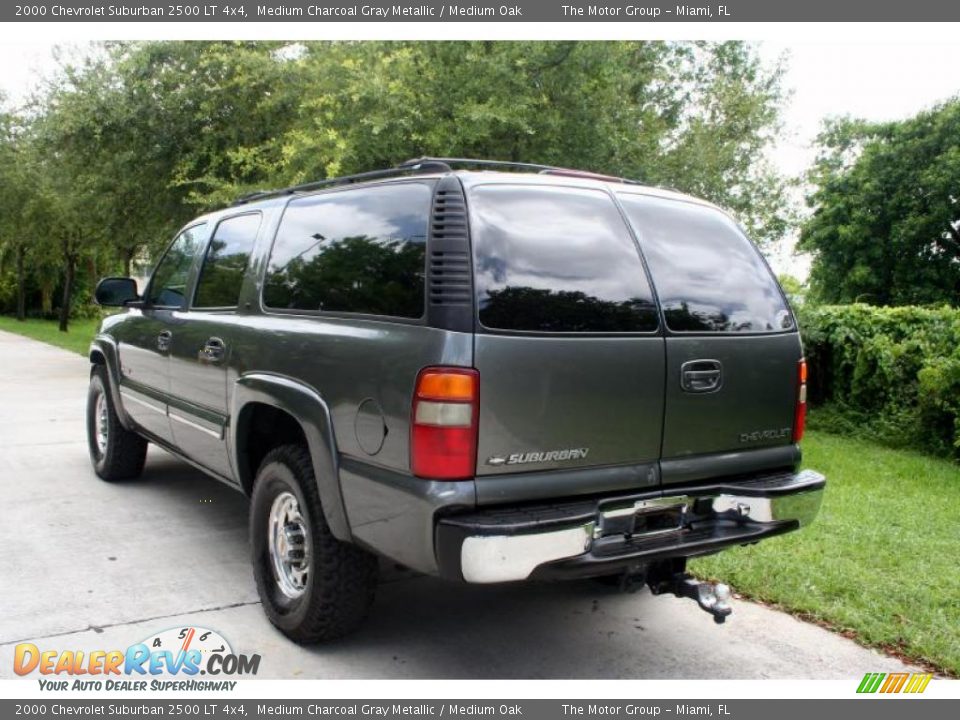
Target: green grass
{"type": "Point", "coordinates": [77, 339]}
{"type": "Point", "coordinates": [880, 563]}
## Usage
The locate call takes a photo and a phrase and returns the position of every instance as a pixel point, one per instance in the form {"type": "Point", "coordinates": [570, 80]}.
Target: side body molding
{"type": "Point", "coordinates": [305, 404]}
{"type": "Point", "coordinates": [103, 351]}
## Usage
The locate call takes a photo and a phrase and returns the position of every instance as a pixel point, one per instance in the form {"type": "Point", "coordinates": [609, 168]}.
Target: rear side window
{"type": "Point", "coordinates": [355, 251]}
{"type": "Point", "coordinates": [555, 259]}
{"type": "Point", "coordinates": [226, 261]}
{"type": "Point", "coordinates": [709, 276]}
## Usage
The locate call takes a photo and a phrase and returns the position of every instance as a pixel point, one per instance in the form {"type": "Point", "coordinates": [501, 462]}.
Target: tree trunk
{"type": "Point", "coordinates": [21, 283]}
{"type": "Point", "coordinates": [127, 260]}
{"type": "Point", "coordinates": [46, 297]}
{"type": "Point", "coordinates": [67, 293]}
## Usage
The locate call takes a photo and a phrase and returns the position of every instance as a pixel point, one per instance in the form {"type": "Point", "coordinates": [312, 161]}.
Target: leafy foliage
{"type": "Point", "coordinates": [126, 144]}
{"type": "Point", "coordinates": [886, 224]}
{"type": "Point", "coordinates": [889, 373]}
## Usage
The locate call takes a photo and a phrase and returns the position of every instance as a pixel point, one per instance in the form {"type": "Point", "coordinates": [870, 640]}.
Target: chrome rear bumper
{"type": "Point", "coordinates": [583, 538]}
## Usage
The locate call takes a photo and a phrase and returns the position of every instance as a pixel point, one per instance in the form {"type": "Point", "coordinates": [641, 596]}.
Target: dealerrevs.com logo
{"type": "Point", "coordinates": [169, 660]}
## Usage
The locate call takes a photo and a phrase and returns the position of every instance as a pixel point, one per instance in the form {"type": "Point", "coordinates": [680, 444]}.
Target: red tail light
{"type": "Point", "coordinates": [800, 415]}
{"type": "Point", "coordinates": [443, 422]}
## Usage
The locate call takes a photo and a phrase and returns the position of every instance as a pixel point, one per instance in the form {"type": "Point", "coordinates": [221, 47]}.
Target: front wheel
{"type": "Point", "coordinates": [313, 587]}
{"type": "Point", "coordinates": [116, 453]}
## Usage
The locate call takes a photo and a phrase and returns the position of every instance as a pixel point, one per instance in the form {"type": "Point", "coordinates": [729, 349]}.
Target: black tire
{"type": "Point", "coordinates": [341, 578]}
{"type": "Point", "coordinates": [125, 452]}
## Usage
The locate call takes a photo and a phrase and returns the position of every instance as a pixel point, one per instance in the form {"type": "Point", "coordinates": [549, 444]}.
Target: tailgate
{"type": "Point", "coordinates": [568, 346]}
{"type": "Point", "coordinates": [731, 343]}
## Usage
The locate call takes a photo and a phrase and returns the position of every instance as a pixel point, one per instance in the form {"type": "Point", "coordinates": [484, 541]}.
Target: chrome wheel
{"type": "Point", "coordinates": [101, 424]}
{"type": "Point", "coordinates": [289, 546]}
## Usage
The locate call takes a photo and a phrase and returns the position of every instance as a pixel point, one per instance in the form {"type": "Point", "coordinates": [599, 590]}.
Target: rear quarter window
{"type": "Point", "coordinates": [352, 251]}
{"type": "Point", "coordinates": [556, 259]}
{"type": "Point", "coordinates": [708, 275]}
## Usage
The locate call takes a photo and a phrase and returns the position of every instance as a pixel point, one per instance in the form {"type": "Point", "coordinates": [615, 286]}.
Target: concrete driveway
{"type": "Point", "coordinates": [86, 564]}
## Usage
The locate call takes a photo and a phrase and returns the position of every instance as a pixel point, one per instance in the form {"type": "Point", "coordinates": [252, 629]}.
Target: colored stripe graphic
{"type": "Point", "coordinates": [870, 682]}
{"type": "Point", "coordinates": [918, 683]}
{"type": "Point", "coordinates": [894, 682]}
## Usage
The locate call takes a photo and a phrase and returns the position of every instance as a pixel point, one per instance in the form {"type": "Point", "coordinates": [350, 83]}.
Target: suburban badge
{"type": "Point", "coordinates": [539, 456]}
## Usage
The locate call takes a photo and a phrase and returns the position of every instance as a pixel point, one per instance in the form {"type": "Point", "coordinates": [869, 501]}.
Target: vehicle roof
{"type": "Point", "coordinates": [472, 178]}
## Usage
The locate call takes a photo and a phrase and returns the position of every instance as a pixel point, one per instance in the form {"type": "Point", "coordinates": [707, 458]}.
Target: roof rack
{"type": "Point", "coordinates": [508, 164]}
{"type": "Point", "coordinates": [407, 167]}
{"type": "Point", "coordinates": [429, 164]}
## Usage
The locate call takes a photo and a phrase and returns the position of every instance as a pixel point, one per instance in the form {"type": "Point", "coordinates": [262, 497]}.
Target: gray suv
{"type": "Point", "coordinates": [489, 372]}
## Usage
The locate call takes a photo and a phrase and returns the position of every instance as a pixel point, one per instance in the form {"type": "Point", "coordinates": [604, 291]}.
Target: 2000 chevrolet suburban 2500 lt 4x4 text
{"type": "Point", "coordinates": [491, 374]}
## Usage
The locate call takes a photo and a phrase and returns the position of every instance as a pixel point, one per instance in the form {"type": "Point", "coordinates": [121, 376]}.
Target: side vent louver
{"type": "Point", "coordinates": [449, 254]}
{"type": "Point", "coordinates": [449, 275]}
{"type": "Point", "coordinates": [449, 278]}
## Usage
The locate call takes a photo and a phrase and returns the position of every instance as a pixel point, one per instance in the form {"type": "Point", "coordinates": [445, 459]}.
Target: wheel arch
{"type": "Point", "coordinates": [295, 402]}
{"type": "Point", "coordinates": [103, 352]}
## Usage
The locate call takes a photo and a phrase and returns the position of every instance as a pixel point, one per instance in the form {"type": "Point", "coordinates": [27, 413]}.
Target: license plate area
{"type": "Point", "coordinates": [669, 519]}
{"type": "Point", "coordinates": [642, 518]}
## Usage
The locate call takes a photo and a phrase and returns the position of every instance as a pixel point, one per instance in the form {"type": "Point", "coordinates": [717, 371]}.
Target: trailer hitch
{"type": "Point", "coordinates": [714, 598]}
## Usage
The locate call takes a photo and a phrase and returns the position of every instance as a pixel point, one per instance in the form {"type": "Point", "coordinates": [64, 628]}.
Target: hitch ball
{"type": "Point", "coordinates": [713, 598]}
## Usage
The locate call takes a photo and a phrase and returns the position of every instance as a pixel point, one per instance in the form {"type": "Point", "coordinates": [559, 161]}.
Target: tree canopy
{"type": "Point", "coordinates": [127, 144]}
{"type": "Point", "coordinates": [886, 222]}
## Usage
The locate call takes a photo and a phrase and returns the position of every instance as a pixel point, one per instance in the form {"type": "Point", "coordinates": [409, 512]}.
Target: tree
{"type": "Point", "coordinates": [201, 118]}
{"type": "Point", "coordinates": [127, 143]}
{"type": "Point", "coordinates": [13, 246]}
{"type": "Point", "coordinates": [697, 117]}
{"type": "Point", "coordinates": [66, 204]}
{"type": "Point", "coordinates": [886, 222]}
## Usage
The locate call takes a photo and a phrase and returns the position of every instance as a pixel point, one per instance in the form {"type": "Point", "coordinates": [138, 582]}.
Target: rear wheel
{"type": "Point", "coordinates": [116, 453]}
{"type": "Point", "coordinates": [313, 587]}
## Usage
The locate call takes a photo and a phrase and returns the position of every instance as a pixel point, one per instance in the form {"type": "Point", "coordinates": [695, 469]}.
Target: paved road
{"type": "Point", "coordinates": [89, 565]}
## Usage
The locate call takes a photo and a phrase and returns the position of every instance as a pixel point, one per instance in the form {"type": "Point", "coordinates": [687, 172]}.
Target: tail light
{"type": "Point", "coordinates": [443, 435]}
{"type": "Point", "coordinates": [800, 414]}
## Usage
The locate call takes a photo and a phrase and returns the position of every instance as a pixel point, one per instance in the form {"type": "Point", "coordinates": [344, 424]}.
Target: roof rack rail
{"type": "Point", "coordinates": [450, 162]}
{"type": "Point", "coordinates": [428, 165]}
{"type": "Point", "coordinates": [509, 164]}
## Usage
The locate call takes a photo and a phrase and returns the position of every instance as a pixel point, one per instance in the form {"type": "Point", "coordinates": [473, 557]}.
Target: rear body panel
{"type": "Point", "coordinates": [751, 409]}
{"type": "Point", "coordinates": [594, 402]}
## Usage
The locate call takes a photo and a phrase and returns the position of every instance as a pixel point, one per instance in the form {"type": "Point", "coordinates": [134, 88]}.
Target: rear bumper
{"type": "Point", "coordinates": [582, 538]}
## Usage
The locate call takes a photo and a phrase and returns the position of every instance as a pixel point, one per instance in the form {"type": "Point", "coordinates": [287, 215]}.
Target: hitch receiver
{"type": "Point", "coordinates": [713, 598]}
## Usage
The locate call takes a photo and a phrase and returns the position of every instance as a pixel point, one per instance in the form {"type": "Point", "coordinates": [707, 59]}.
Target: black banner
{"type": "Point", "coordinates": [515, 11]}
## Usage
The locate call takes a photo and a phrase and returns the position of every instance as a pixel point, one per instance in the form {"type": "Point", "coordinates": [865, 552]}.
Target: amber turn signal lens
{"type": "Point", "coordinates": [438, 385]}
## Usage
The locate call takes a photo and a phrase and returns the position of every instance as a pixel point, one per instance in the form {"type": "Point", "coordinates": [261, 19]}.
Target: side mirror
{"type": "Point", "coordinates": [116, 292]}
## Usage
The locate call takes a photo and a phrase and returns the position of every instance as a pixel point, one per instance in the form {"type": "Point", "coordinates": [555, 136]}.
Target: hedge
{"type": "Point", "coordinates": [890, 373]}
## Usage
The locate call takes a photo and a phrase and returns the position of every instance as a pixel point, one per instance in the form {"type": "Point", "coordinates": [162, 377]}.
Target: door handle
{"type": "Point", "coordinates": [213, 351]}
{"type": "Point", "coordinates": [701, 376]}
{"type": "Point", "coordinates": [163, 340]}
